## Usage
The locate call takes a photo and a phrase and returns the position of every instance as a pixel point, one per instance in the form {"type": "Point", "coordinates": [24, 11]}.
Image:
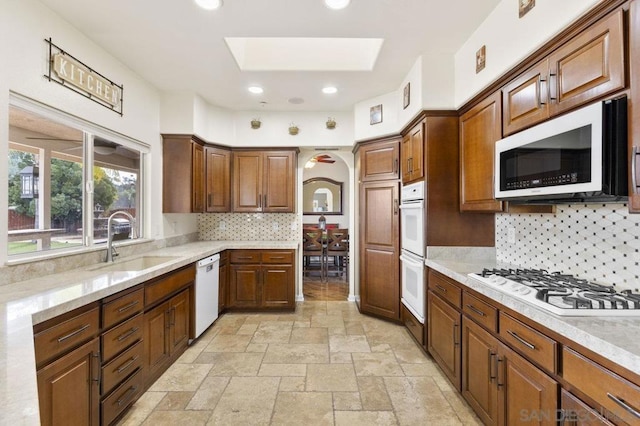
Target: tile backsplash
{"type": "Point", "coordinates": [598, 242]}
{"type": "Point", "coordinates": [249, 226]}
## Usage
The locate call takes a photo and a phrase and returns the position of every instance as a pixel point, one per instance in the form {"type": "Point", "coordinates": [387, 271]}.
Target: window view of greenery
{"type": "Point", "coordinates": [46, 182]}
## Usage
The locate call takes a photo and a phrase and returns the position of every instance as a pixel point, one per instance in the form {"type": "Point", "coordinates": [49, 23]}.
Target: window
{"type": "Point", "coordinates": [66, 178]}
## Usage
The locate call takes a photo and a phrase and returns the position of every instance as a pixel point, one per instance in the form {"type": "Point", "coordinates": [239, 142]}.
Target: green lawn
{"type": "Point", "coordinates": [29, 246]}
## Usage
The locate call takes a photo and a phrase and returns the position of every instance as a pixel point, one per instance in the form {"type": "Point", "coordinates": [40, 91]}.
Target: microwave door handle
{"type": "Point", "coordinates": [410, 261]}
{"type": "Point", "coordinates": [417, 205]}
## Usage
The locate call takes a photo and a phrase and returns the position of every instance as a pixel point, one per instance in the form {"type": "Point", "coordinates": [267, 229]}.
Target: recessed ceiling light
{"type": "Point", "coordinates": [336, 4]}
{"type": "Point", "coordinates": [329, 90]}
{"type": "Point", "coordinates": [255, 89]}
{"type": "Point", "coordinates": [209, 4]}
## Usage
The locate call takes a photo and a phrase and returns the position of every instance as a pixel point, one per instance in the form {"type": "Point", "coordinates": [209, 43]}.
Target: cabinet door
{"type": "Point", "coordinates": [379, 261]}
{"type": "Point", "coordinates": [156, 339]}
{"type": "Point", "coordinates": [218, 177]}
{"type": "Point", "coordinates": [198, 178]}
{"type": "Point", "coordinates": [243, 286]}
{"type": "Point", "coordinates": [380, 161]}
{"type": "Point", "coordinates": [277, 286]}
{"type": "Point", "coordinates": [480, 128]}
{"type": "Point", "coordinates": [479, 388]}
{"type": "Point", "coordinates": [524, 100]}
{"type": "Point", "coordinates": [444, 337]}
{"type": "Point", "coordinates": [69, 388]}
{"type": "Point", "coordinates": [588, 66]}
{"type": "Point", "coordinates": [247, 181]}
{"type": "Point", "coordinates": [577, 413]}
{"type": "Point", "coordinates": [179, 321]}
{"type": "Point", "coordinates": [405, 164]}
{"type": "Point", "coordinates": [634, 104]}
{"type": "Point", "coordinates": [417, 152]}
{"type": "Point", "coordinates": [279, 182]}
{"type": "Point", "coordinates": [223, 287]}
{"type": "Point", "coordinates": [526, 394]}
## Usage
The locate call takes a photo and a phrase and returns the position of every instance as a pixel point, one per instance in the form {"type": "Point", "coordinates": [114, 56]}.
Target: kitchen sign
{"type": "Point", "coordinates": [68, 71]}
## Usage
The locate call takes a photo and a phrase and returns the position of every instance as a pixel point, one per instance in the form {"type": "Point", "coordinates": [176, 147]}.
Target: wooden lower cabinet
{"type": "Point", "coordinates": [443, 336]}
{"type": "Point", "coordinates": [261, 279]}
{"type": "Point", "coordinates": [69, 388]}
{"type": "Point", "coordinates": [574, 412]}
{"type": "Point", "coordinates": [166, 333]}
{"type": "Point", "coordinates": [501, 386]}
{"type": "Point", "coordinates": [223, 282]}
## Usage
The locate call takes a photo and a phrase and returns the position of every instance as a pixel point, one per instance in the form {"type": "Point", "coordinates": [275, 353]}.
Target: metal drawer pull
{"type": "Point", "coordinates": [493, 367]}
{"type": "Point", "coordinates": [455, 334]}
{"type": "Point", "coordinates": [276, 257]}
{"type": "Point", "coordinates": [634, 177]}
{"type": "Point", "coordinates": [127, 334]}
{"type": "Point", "coordinates": [521, 340]}
{"type": "Point", "coordinates": [476, 310]}
{"type": "Point", "coordinates": [623, 404]}
{"type": "Point", "coordinates": [97, 358]}
{"type": "Point", "coordinates": [127, 395]}
{"type": "Point", "coordinates": [127, 307]}
{"type": "Point", "coordinates": [125, 366]}
{"type": "Point", "coordinates": [244, 258]}
{"type": "Point", "coordinates": [70, 335]}
{"type": "Point", "coordinates": [500, 382]}
{"type": "Point", "coordinates": [442, 289]}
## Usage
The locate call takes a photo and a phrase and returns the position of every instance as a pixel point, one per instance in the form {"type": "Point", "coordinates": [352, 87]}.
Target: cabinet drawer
{"type": "Point", "coordinates": [122, 308]}
{"type": "Point", "coordinates": [533, 344]}
{"type": "Point", "coordinates": [121, 337]}
{"type": "Point", "coordinates": [66, 335]}
{"type": "Point", "coordinates": [613, 393]}
{"type": "Point", "coordinates": [413, 325]}
{"type": "Point", "coordinates": [121, 367]}
{"type": "Point", "coordinates": [245, 256]}
{"type": "Point", "coordinates": [445, 288]}
{"type": "Point", "coordinates": [481, 312]}
{"type": "Point", "coordinates": [168, 285]}
{"type": "Point", "coordinates": [121, 398]}
{"type": "Point", "coordinates": [277, 257]}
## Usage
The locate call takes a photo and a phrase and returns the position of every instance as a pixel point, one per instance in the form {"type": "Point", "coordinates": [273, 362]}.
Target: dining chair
{"type": "Point", "coordinates": [338, 250]}
{"type": "Point", "coordinates": [312, 247]}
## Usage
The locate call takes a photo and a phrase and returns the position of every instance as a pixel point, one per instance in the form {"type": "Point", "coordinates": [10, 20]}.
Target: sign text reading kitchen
{"type": "Point", "coordinates": [73, 74]}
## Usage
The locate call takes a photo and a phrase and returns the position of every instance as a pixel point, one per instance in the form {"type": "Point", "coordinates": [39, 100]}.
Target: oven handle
{"type": "Point", "coordinates": [409, 261]}
{"type": "Point", "coordinates": [412, 205]}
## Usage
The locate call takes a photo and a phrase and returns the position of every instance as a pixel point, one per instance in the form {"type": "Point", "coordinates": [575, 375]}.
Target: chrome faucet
{"type": "Point", "coordinates": [111, 251]}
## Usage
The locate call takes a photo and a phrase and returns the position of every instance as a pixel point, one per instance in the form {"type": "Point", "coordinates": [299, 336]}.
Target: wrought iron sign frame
{"type": "Point", "coordinates": [51, 76]}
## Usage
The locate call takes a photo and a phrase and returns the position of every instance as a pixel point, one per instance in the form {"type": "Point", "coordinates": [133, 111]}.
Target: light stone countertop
{"type": "Point", "coordinates": [30, 302]}
{"type": "Point", "coordinates": [615, 338]}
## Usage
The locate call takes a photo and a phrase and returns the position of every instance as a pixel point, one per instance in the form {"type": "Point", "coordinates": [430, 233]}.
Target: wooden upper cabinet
{"type": "Point", "coordinates": [589, 66]}
{"type": "Point", "coordinates": [634, 106]}
{"type": "Point", "coordinates": [218, 180]}
{"type": "Point", "coordinates": [183, 174]}
{"type": "Point", "coordinates": [480, 128]}
{"type": "Point", "coordinates": [380, 161]}
{"type": "Point", "coordinates": [412, 165]}
{"type": "Point", "coordinates": [264, 181]}
{"type": "Point", "coordinates": [525, 99]}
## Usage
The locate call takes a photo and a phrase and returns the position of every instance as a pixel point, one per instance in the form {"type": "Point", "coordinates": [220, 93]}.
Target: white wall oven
{"type": "Point", "coordinates": [412, 244]}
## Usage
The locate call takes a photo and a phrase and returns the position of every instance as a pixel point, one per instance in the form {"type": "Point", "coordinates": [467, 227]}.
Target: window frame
{"type": "Point", "coordinates": [90, 131]}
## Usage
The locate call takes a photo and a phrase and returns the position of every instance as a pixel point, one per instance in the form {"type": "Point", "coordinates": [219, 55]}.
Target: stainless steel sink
{"type": "Point", "coordinates": [137, 264]}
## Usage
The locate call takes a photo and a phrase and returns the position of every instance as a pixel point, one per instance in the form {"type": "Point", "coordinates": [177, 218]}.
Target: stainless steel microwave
{"type": "Point", "coordinates": [577, 157]}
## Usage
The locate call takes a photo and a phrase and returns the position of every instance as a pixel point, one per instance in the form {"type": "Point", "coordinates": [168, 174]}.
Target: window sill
{"type": "Point", "coordinates": [21, 259]}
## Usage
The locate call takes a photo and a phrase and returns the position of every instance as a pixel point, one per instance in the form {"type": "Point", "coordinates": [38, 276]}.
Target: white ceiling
{"type": "Point", "coordinates": [178, 47]}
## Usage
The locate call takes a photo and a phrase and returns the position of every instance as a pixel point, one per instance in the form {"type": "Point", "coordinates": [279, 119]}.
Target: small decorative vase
{"type": "Point", "coordinates": [255, 123]}
{"type": "Point", "coordinates": [331, 123]}
{"type": "Point", "coordinates": [293, 130]}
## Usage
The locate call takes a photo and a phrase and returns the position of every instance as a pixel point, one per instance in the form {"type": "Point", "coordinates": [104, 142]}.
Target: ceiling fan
{"type": "Point", "coordinates": [323, 158]}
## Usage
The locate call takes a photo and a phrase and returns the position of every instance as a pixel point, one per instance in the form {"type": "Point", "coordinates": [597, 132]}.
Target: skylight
{"type": "Point", "coordinates": [304, 54]}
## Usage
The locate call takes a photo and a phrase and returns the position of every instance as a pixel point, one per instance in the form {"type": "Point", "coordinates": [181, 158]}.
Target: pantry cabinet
{"type": "Point", "coordinates": [264, 181]}
{"type": "Point", "coordinates": [218, 179]}
{"type": "Point", "coordinates": [480, 129]}
{"type": "Point", "coordinates": [183, 178]}
{"type": "Point", "coordinates": [412, 150]}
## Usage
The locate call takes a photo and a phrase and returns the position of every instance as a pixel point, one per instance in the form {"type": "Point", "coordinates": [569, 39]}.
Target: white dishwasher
{"type": "Point", "coordinates": [206, 290]}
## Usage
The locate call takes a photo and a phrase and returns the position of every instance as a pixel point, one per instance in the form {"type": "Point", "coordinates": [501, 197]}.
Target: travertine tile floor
{"type": "Point", "coordinates": [325, 364]}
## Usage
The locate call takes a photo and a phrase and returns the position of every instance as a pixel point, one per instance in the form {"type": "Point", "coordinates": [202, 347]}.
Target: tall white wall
{"type": "Point", "coordinates": [509, 39]}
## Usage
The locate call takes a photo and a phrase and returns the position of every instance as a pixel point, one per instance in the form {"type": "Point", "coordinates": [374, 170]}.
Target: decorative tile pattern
{"type": "Point", "coordinates": [599, 242]}
{"type": "Point", "coordinates": [249, 227]}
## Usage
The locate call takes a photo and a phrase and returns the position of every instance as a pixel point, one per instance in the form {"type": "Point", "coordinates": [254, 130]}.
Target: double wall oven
{"type": "Point", "coordinates": [413, 249]}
